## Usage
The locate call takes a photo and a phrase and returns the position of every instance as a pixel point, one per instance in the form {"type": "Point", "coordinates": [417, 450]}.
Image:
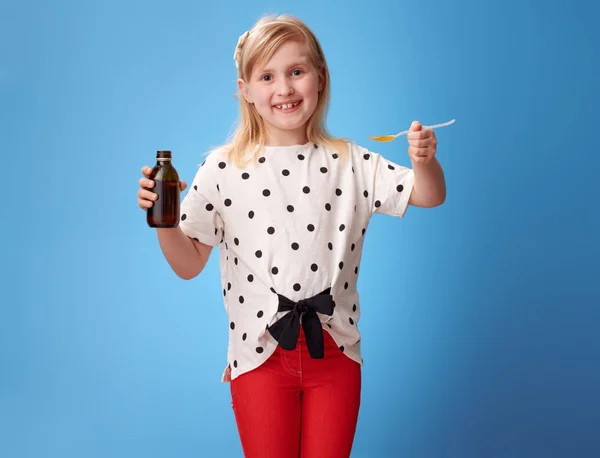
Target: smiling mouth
{"type": "Point", "coordinates": [288, 106]}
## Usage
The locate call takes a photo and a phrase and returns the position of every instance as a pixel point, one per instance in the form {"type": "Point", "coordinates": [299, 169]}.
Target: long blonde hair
{"type": "Point", "coordinates": [258, 46]}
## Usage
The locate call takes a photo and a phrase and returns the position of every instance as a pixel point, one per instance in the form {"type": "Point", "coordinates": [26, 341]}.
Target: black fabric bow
{"type": "Point", "coordinates": [287, 328]}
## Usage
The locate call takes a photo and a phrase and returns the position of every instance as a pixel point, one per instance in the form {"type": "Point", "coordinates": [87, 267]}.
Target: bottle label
{"type": "Point", "coordinates": [165, 209]}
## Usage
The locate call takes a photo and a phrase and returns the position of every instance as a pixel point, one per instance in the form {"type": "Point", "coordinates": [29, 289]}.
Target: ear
{"type": "Point", "coordinates": [321, 81]}
{"type": "Point", "coordinates": [245, 90]}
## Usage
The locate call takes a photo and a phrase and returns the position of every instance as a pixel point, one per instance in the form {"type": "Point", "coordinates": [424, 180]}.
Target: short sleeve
{"type": "Point", "coordinates": [392, 186]}
{"type": "Point", "coordinates": [200, 217]}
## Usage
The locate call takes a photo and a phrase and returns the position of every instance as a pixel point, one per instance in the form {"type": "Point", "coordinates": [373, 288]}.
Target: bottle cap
{"type": "Point", "coordinates": [163, 154]}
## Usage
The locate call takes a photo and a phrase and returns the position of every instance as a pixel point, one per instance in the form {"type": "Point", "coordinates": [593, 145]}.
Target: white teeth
{"type": "Point", "coordinates": [287, 106]}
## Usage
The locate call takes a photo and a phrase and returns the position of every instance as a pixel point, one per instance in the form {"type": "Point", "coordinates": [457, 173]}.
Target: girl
{"type": "Point", "coordinates": [289, 206]}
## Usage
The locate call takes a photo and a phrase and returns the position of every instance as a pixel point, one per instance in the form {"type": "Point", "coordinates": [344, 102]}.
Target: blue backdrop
{"type": "Point", "coordinates": [491, 300]}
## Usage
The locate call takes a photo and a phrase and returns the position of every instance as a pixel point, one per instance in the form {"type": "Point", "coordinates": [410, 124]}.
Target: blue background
{"type": "Point", "coordinates": [480, 318]}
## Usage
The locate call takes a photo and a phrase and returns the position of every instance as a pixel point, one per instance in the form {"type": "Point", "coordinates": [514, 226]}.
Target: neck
{"type": "Point", "coordinates": [287, 138]}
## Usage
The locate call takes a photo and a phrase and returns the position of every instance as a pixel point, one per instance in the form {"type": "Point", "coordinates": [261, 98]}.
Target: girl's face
{"type": "Point", "coordinates": [285, 92]}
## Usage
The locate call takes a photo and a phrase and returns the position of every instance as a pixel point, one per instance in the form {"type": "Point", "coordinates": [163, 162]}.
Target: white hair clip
{"type": "Point", "coordinates": [238, 49]}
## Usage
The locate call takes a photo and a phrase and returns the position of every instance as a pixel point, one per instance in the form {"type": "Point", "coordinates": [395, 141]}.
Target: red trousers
{"type": "Point", "coordinates": [293, 406]}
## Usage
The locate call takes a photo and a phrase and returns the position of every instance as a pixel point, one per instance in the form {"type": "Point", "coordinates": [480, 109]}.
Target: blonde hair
{"type": "Point", "coordinates": [257, 46]}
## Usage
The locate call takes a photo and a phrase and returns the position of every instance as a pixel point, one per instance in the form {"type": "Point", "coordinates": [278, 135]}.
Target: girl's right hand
{"type": "Point", "coordinates": [146, 197]}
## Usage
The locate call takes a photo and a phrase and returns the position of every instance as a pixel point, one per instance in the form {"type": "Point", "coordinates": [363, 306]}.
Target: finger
{"type": "Point", "coordinates": [146, 183]}
{"type": "Point", "coordinates": [145, 204]}
{"type": "Point", "coordinates": [182, 185]}
{"type": "Point", "coordinates": [421, 143]}
{"type": "Point", "coordinates": [420, 151]}
{"type": "Point", "coordinates": [147, 195]}
{"type": "Point", "coordinates": [146, 170]}
{"type": "Point", "coordinates": [419, 134]}
{"type": "Point", "coordinates": [430, 135]}
{"type": "Point", "coordinates": [416, 125]}
{"type": "Point", "coordinates": [414, 135]}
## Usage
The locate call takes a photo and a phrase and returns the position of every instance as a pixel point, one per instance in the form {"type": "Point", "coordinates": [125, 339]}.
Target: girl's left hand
{"type": "Point", "coordinates": [421, 144]}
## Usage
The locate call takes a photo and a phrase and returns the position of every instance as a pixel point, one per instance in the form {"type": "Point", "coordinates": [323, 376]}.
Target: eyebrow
{"type": "Point", "coordinates": [304, 61]}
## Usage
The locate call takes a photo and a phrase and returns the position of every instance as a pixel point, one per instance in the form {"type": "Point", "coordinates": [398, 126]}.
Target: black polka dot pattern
{"type": "Point", "coordinates": [291, 222]}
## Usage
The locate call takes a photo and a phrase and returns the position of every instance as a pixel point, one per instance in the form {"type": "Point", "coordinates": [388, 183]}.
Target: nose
{"type": "Point", "coordinates": [285, 87]}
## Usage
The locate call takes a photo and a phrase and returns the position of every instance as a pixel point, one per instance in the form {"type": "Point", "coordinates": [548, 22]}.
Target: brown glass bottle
{"type": "Point", "coordinates": [165, 209]}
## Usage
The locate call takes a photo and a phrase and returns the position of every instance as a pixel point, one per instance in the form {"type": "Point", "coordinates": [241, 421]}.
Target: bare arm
{"type": "Point", "coordinates": [429, 189]}
{"type": "Point", "coordinates": [186, 257]}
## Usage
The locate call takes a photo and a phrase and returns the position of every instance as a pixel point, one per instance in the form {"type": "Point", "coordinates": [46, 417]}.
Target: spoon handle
{"type": "Point", "coordinates": [435, 126]}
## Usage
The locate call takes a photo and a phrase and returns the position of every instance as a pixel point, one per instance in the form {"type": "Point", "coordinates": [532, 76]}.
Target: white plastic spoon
{"type": "Point", "coordinates": [389, 138]}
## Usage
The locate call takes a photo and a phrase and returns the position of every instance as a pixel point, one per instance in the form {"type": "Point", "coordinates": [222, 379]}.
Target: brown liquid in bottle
{"type": "Point", "coordinates": [164, 212]}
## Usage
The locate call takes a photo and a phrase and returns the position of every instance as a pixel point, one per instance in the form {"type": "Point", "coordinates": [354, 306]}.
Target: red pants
{"type": "Point", "coordinates": [293, 406]}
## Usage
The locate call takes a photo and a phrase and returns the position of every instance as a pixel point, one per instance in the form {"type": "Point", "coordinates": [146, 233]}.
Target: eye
{"type": "Point", "coordinates": [297, 72]}
{"type": "Point", "coordinates": [265, 78]}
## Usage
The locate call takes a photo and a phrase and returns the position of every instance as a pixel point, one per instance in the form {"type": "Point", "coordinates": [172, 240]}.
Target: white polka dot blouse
{"type": "Point", "coordinates": [290, 229]}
